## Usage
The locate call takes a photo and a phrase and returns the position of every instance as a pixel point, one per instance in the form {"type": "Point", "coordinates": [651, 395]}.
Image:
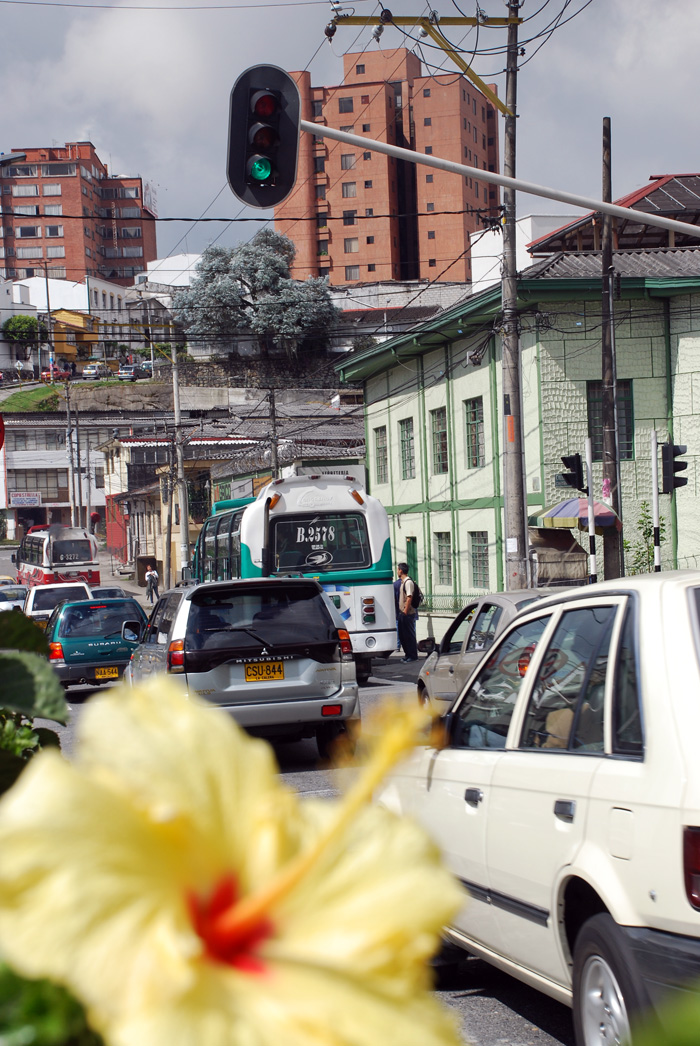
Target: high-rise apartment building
{"type": "Point", "coordinates": [63, 215]}
{"type": "Point", "coordinates": [360, 216]}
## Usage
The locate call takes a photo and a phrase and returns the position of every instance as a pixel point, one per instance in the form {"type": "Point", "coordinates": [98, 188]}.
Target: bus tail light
{"type": "Point", "coordinates": [691, 865]}
{"type": "Point", "coordinates": [274, 498]}
{"type": "Point", "coordinates": [345, 644]}
{"type": "Point", "coordinates": [56, 652]}
{"type": "Point", "coordinates": [369, 615]}
{"type": "Point", "coordinates": [176, 656]}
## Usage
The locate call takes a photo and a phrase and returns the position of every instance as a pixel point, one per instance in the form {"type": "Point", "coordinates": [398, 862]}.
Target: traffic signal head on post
{"type": "Point", "coordinates": [669, 467]}
{"type": "Point", "coordinates": [263, 141]}
{"type": "Point", "coordinates": [574, 477]}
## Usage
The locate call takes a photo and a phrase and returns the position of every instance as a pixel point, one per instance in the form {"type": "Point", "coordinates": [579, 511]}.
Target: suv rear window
{"type": "Point", "coordinates": [98, 619]}
{"type": "Point", "coordinates": [273, 614]}
{"type": "Point", "coordinates": [46, 599]}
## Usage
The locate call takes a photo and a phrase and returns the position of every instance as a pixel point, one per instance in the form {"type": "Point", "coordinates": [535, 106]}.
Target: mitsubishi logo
{"type": "Point", "coordinates": [264, 651]}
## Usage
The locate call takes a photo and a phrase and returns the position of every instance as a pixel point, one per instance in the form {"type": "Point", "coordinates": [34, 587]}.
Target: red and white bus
{"type": "Point", "coordinates": [57, 554]}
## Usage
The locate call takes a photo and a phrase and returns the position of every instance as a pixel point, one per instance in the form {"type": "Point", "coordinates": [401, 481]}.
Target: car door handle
{"type": "Point", "coordinates": [473, 796]}
{"type": "Point", "coordinates": [564, 809]}
{"type": "Point", "coordinates": [452, 670]}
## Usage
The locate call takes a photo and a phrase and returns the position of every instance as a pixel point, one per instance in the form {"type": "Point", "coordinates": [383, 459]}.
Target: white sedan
{"type": "Point", "coordinates": [566, 798]}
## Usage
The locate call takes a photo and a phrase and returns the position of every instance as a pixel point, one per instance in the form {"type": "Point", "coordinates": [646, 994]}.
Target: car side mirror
{"type": "Point", "coordinates": [131, 631]}
{"type": "Point", "coordinates": [441, 730]}
{"type": "Point", "coordinates": [13, 558]}
{"type": "Point", "coordinates": [426, 646]}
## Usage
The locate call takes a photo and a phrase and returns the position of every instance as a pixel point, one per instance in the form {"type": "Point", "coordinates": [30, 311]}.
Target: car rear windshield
{"type": "Point", "coordinates": [47, 598]}
{"type": "Point", "coordinates": [98, 619]}
{"type": "Point", "coordinates": [324, 541]}
{"type": "Point", "coordinates": [71, 552]}
{"type": "Point", "coordinates": [274, 615]}
{"type": "Point", "coordinates": [9, 594]}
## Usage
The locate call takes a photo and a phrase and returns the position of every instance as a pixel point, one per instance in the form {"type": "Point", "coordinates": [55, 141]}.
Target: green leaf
{"type": "Point", "coordinates": [41, 1014]}
{"type": "Point", "coordinates": [11, 767]}
{"type": "Point", "coordinates": [29, 685]}
{"type": "Point", "coordinates": [19, 633]}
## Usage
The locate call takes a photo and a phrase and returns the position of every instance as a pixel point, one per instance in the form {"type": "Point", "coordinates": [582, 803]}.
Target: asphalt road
{"type": "Point", "coordinates": [493, 1009]}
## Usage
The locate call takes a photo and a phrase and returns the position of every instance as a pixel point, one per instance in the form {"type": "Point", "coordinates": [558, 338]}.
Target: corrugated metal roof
{"type": "Point", "coordinates": [661, 263]}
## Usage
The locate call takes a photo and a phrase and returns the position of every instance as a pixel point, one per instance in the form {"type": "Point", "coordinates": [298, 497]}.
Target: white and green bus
{"type": "Point", "coordinates": [325, 527]}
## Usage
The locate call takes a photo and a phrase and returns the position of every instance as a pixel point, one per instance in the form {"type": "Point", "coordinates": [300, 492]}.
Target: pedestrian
{"type": "Point", "coordinates": [151, 583]}
{"type": "Point", "coordinates": [407, 615]}
{"type": "Point", "coordinates": [397, 589]}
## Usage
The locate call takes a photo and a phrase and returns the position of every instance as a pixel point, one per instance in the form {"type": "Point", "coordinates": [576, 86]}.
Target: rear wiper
{"type": "Point", "coordinates": [248, 631]}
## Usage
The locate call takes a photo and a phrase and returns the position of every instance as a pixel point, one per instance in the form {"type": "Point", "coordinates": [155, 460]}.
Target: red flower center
{"type": "Point", "coordinates": [233, 947]}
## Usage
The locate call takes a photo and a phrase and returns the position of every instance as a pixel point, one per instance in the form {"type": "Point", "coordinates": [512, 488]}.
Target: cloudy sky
{"type": "Point", "coordinates": [148, 82]}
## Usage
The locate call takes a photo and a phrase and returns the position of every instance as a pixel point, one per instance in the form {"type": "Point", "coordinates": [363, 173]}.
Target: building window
{"type": "Point", "coordinates": [132, 252]}
{"type": "Point", "coordinates": [368, 185]}
{"type": "Point", "coordinates": [428, 121]}
{"type": "Point", "coordinates": [53, 210]}
{"type": "Point", "coordinates": [352, 272]}
{"type": "Point", "coordinates": [625, 418]}
{"type": "Point", "coordinates": [52, 484]}
{"type": "Point", "coordinates": [443, 555]}
{"type": "Point", "coordinates": [29, 252]}
{"type": "Point", "coordinates": [319, 164]}
{"type": "Point", "coordinates": [321, 221]}
{"type": "Point", "coordinates": [431, 234]}
{"type": "Point", "coordinates": [348, 130]}
{"type": "Point", "coordinates": [28, 231]}
{"type": "Point", "coordinates": [359, 70]}
{"type": "Point", "coordinates": [51, 189]}
{"type": "Point", "coordinates": [320, 192]}
{"type": "Point", "coordinates": [345, 105]}
{"type": "Point", "coordinates": [347, 161]}
{"type": "Point", "coordinates": [438, 431]}
{"type": "Point", "coordinates": [369, 212]}
{"type": "Point", "coordinates": [322, 247]}
{"type": "Point", "coordinates": [367, 156]}
{"type": "Point", "coordinates": [99, 477]}
{"type": "Point", "coordinates": [324, 270]}
{"type": "Point", "coordinates": [370, 239]}
{"type": "Point", "coordinates": [349, 190]}
{"type": "Point", "coordinates": [53, 230]}
{"type": "Point", "coordinates": [26, 209]}
{"type": "Point", "coordinates": [408, 450]}
{"type": "Point", "coordinates": [429, 150]}
{"type": "Point", "coordinates": [430, 206]}
{"type": "Point", "coordinates": [474, 432]}
{"type": "Point", "coordinates": [366, 128]}
{"type": "Point", "coordinates": [426, 92]}
{"type": "Point", "coordinates": [381, 455]}
{"type": "Point", "coordinates": [25, 190]}
{"type": "Point", "coordinates": [349, 217]}
{"type": "Point", "coordinates": [364, 98]}
{"type": "Point", "coordinates": [317, 107]}
{"type": "Point", "coordinates": [432, 263]}
{"type": "Point", "coordinates": [428, 178]}
{"type": "Point", "coordinates": [351, 244]}
{"type": "Point", "coordinates": [479, 550]}
{"type": "Point", "coordinates": [371, 268]}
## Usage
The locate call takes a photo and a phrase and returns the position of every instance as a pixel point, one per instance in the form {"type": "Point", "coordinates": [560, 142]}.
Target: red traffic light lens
{"type": "Point", "coordinates": [265, 105]}
{"type": "Point", "coordinates": [265, 138]}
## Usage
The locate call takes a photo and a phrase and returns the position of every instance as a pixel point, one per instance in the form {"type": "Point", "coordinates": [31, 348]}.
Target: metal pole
{"type": "Point", "coordinates": [167, 543]}
{"type": "Point", "coordinates": [514, 489]}
{"type": "Point", "coordinates": [52, 355]}
{"type": "Point", "coordinates": [69, 447]}
{"type": "Point", "coordinates": [655, 500]}
{"type": "Point", "coordinates": [182, 482]}
{"type": "Point", "coordinates": [78, 470]}
{"type": "Point", "coordinates": [592, 565]}
{"type": "Point", "coordinates": [88, 509]}
{"type": "Point", "coordinates": [274, 449]}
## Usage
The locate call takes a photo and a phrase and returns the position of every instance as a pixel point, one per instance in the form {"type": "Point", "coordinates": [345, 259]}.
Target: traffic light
{"type": "Point", "coordinates": [669, 467]}
{"type": "Point", "coordinates": [574, 477]}
{"type": "Point", "coordinates": [263, 139]}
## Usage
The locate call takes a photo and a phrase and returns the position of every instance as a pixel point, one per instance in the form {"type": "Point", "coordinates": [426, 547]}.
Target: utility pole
{"type": "Point", "coordinates": [69, 448]}
{"type": "Point", "coordinates": [167, 543]}
{"type": "Point", "coordinates": [515, 506]}
{"type": "Point", "coordinates": [182, 482]}
{"type": "Point", "coordinates": [613, 564]}
{"type": "Point", "coordinates": [79, 470]}
{"type": "Point", "coordinates": [274, 449]}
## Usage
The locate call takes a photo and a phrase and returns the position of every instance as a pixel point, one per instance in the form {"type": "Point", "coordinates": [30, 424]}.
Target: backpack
{"type": "Point", "coordinates": [417, 596]}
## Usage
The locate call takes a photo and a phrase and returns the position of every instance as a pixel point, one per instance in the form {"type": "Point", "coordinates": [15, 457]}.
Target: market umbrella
{"type": "Point", "coordinates": [573, 512]}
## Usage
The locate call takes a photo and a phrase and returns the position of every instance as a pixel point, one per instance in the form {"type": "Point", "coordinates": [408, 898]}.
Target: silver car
{"type": "Point", "coordinates": [472, 632]}
{"type": "Point", "coordinates": [273, 651]}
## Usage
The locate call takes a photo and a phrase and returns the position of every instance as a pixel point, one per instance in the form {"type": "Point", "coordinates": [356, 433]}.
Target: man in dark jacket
{"type": "Point", "coordinates": [407, 615]}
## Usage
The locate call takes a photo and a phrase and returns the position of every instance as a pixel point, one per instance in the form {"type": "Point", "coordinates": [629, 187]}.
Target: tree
{"type": "Point", "coordinates": [23, 331]}
{"type": "Point", "coordinates": [248, 290]}
{"type": "Point", "coordinates": [640, 554]}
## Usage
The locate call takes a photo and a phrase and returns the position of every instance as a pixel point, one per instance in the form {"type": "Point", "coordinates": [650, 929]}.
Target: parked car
{"type": "Point", "coordinates": [41, 599]}
{"type": "Point", "coordinates": [109, 592]}
{"type": "Point", "coordinates": [60, 373]}
{"type": "Point", "coordinates": [5, 579]}
{"type": "Point", "coordinates": [13, 597]}
{"type": "Point", "coordinates": [565, 795]}
{"type": "Point", "coordinates": [273, 651]}
{"type": "Point", "coordinates": [95, 371]}
{"type": "Point", "coordinates": [87, 641]}
{"type": "Point", "coordinates": [132, 371]}
{"type": "Point", "coordinates": [447, 668]}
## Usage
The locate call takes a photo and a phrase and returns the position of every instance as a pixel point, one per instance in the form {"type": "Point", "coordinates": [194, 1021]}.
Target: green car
{"type": "Point", "coordinates": [85, 639]}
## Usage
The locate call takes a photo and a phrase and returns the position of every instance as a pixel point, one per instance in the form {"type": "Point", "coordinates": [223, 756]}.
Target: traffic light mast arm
{"type": "Point", "coordinates": [431, 29]}
{"type": "Point", "coordinates": [584, 202]}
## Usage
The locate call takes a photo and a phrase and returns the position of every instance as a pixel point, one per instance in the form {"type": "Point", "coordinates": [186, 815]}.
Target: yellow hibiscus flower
{"type": "Point", "coordinates": [186, 896]}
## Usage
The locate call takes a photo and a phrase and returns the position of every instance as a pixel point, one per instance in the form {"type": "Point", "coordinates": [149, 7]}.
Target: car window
{"type": "Point", "coordinates": [484, 630]}
{"type": "Point", "coordinates": [454, 637]}
{"type": "Point", "coordinates": [165, 622]}
{"type": "Point", "coordinates": [483, 716]}
{"type": "Point", "coordinates": [105, 620]}
{"type": "Point", "coordinates": [628, 736]}
{"type": "Point", "coordinates": [566, 706]}
{"type": "Point", "coordinates": [47, 598]}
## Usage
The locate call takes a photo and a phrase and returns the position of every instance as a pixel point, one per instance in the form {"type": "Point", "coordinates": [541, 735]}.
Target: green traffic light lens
{"type": "Point", "coordinates": [260, 169]}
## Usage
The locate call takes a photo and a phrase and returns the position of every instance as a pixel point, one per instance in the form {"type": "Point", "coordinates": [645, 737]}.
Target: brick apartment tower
{"type": "Point", "coordinates": [362, 217]}
{"type": "Point", "coordinates": [62, 213]}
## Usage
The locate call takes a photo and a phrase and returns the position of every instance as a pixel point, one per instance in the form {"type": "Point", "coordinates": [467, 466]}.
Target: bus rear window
{"type": "Point", "coordinates": [321, 542]}
{"type": "Point", "coordinates": [71, 552]}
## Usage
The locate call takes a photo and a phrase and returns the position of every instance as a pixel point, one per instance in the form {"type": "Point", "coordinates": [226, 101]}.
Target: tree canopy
{"type": "Point", "coordinates": [24, 330]}
{"type": "Point", "coordinates": [248, 290]}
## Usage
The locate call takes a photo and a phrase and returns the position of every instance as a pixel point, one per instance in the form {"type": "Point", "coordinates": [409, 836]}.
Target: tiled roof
{"type": "Point", "coordinates": [660, 263]}
{"type": "Point", "coordinates": [671, 195]}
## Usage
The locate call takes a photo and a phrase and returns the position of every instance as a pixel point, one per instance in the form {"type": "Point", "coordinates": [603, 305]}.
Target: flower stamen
{"type": "Point", "coordinates": [231, 945]}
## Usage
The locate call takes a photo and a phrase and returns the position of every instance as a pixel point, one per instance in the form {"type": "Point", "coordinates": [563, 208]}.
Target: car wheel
{"type": "Point", "coordinates": [423, 698]}
{"type": "Point", "coordinates": [607, 988]}
{"type": "Point", "coordinates": [327, 738]}
{"type": "Point", "coordinates": [363, 670]}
